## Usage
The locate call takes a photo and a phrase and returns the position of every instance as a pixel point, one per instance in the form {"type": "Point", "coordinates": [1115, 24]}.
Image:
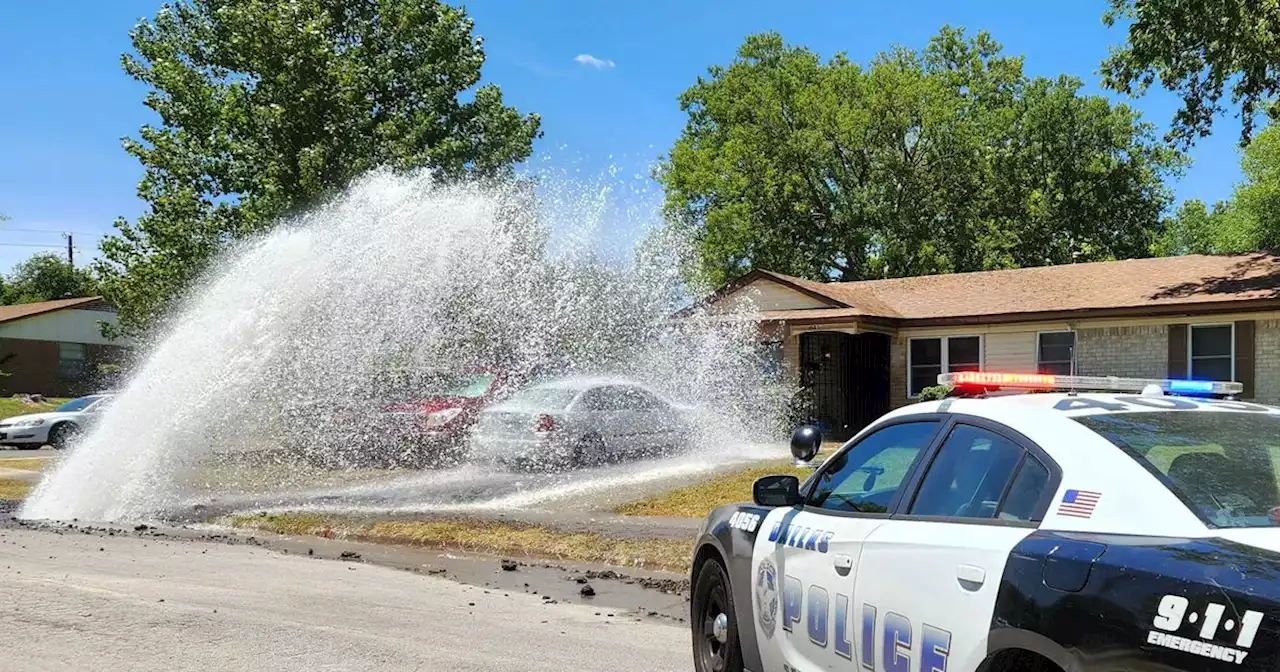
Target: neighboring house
{"type": "Point", "coordinates": [862, 348]}
{"type": "Point", "coordinates": [54, 347]}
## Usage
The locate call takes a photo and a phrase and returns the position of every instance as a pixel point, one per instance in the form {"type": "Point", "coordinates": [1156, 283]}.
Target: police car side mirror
{"type": "Point", "coordinates": [805, 443]}
{"type": "Point", "coordinates": [776, 491]}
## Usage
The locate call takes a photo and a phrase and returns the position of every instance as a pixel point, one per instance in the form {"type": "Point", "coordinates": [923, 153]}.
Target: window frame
{"type": "Point", "coordinates": [1030, 449]}
{"type": "Point", "coordinates": [83, 361]}
{"type": "Point", "coordinates": [1191, 339]}
{"type": "Point", "coordinates": [907, 485]}
{"type": "Point", "coordinates": [945, 355]}
{"type": "Point", "coordinates": [1075, 341]}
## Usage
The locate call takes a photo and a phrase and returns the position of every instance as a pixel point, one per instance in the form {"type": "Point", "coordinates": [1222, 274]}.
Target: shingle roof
{"type": "Point", "coordinates": [1099, 286]}
{"type": "Point", "coordinates": [21, 310]}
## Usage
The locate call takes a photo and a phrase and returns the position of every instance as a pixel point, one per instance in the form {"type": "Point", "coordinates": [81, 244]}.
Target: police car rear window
{"type": "Point", "coordinates": [1223, 465]}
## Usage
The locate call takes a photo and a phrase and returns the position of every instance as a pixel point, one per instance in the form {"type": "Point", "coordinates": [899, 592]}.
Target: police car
{"type": "Point", "coordinates": [1098, 524]}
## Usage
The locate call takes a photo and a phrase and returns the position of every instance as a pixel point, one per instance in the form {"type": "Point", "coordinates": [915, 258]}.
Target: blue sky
{"type": "Point", "coordinates": [66, 103]}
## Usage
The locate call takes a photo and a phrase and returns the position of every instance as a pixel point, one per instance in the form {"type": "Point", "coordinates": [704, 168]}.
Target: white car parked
{"type": "Point", "coordinates": [576, 422]}
{"type": "Point", "coordinates": [55, 428]}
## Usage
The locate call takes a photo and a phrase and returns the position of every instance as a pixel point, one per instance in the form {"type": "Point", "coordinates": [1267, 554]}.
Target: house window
{"type": "Point", "coordinates": [1056, 353]}
{"type": "Point", "coordinates": [773, 356]}
{"type": "Point", "coordinates": [1212, 354]}
{"type": "Point", "coordinates": [928, 357]}
{"type": "Point", "coordinates": [72, 360]}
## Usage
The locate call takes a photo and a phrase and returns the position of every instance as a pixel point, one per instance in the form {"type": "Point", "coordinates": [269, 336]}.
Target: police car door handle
{"type": "Point", "coordinates": [843, 564]}
{"type": "Point", "coordinates": [971, 576]}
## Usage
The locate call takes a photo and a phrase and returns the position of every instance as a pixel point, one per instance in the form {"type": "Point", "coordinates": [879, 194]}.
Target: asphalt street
{"type": "Point", "coordinates": [72, 601]}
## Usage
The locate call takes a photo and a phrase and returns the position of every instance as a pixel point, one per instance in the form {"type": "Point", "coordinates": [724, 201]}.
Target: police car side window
{"type": "Point", "coordinates": [866, 477]}
{"type": "Point", "coordinates": [968, 477]}
{"type": "Point", "coordinates": [1025, 493]}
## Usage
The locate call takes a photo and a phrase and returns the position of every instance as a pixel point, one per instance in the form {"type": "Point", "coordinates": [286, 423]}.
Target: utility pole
{"type": "Point", "coordinates": [71, 255]}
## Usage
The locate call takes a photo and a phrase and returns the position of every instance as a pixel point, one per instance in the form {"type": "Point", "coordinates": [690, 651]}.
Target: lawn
{"type": "Point", "coordinates": [223, 476]}
{"type": "Point", "coordinates": [26, 463]}
{"type": "Point", "coordinates": [14, 489]}
{"type": "Point", "coordinates": [483, 537]}
{"type": "Point", "coordinates": [10, 407]}
{"type": "Point", "coordinates": [697, 500]}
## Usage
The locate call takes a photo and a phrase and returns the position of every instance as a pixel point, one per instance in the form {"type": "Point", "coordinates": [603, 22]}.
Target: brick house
{"type": "Point", "coordinates": [54, 348]}
{"type": "Point", "coordinates": [863, 348]}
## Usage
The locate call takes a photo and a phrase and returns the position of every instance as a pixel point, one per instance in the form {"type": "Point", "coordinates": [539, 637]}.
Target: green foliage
{"type": "Point", "coordinates": [934, 393]}
{"type": "Point", "coordinates": [1248, 222]}
{"type": "Point", "coordinates": [1198, 49]}
{"type": "Point", "coordinates": [949, 159]}
{"type": "Point", "coordinates": [267, 107]}
{"type": "Point", "coordinates": [45, 277]}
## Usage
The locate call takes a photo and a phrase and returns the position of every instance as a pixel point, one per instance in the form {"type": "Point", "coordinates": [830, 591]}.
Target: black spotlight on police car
{"type": "Point", "coordinates": [805, 444]}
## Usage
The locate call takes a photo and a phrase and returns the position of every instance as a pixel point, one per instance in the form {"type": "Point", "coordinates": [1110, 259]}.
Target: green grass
{"type": "Point", "coordinates": [10, 407]}
{"type": "Point", "coordinates": [482, 537]}
{"type": "Point", "coordinates": [697, 500]}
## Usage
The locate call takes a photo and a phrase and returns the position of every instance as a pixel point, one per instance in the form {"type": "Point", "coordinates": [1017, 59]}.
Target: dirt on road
{"type": "Point", "coordinates": [78, 599]}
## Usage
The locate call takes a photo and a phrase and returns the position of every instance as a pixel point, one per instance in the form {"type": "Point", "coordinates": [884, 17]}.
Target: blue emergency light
{"type": "Point", "coordinates": [1191, 386]}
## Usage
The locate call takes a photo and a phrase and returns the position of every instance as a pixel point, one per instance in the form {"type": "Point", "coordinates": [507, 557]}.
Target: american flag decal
{"type": "Point", "coordinates": [1079, 503]}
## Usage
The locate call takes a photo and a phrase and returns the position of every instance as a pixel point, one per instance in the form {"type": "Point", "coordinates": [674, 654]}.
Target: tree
{"type": "Point", "coordinates": [268, 107]}
{"type": "Point", "coordinates": [949, 159]}
{"type": "Point", "coordinates": [45, 277]}
{"type": "Point", "coordinates": [1249, 221]}
{"type": "Point", "coordinates": [1199, 49]}
{"type": "Point", "coordinates": [1191, 230]}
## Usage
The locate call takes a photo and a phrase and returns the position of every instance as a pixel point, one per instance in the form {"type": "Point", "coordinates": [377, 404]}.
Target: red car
{"type": "Point", "coordinates": [436, 425]}
{"type": "Point", "coordinates": [430, 429]}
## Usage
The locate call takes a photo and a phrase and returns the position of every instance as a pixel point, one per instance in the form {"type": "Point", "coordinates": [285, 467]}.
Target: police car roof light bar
{"type": "Point", "coordinates": [1047, 382]}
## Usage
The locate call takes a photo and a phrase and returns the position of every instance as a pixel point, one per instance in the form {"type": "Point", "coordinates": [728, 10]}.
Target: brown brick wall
{"type": "Point", "coordinates": [33, 368]}
{"type": "Point", "coordinates": [1133, 352]}
{"type": "Point", "coordinates": [1266, 378]}
{"type": "Point", "coordinates": [898, 372]}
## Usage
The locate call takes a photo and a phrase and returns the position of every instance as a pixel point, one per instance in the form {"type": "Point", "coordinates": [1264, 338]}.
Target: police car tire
{"type": "Point", "coordinates": [712, 585]}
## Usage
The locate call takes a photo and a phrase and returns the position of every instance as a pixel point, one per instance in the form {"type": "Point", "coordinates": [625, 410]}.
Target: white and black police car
{"type": "Point", "coordinates": [1098, 524]}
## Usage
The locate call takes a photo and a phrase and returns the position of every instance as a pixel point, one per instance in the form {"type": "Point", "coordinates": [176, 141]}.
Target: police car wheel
{"type": "Point", "coordinates": [715, 634]}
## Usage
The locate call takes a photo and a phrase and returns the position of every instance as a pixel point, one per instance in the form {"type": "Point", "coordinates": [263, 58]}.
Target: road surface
{"type": "Point", "coordinates": [76, 601]}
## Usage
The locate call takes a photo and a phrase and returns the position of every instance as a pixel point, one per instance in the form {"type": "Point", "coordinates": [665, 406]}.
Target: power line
{"type": "Point", "coordinates": [59, 246]}
{"type": "Point", "coordinates": [3, 229]}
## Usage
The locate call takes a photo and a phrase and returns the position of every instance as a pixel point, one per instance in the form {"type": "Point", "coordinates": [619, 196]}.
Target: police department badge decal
{"type": "Point", "coordinates": [767, 596]}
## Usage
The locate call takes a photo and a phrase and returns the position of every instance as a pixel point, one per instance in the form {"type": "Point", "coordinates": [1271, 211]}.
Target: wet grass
{"type": "Point", "coordinates": [697, 500]}
{"type": "Point", "coordinates": [483, 537]}
{"type": "Point", "coordinates": [26, 463]}
{"type": "Point", "coordinates": [227, 476]}
{"type": "Point", "coordinates": [13, 489]}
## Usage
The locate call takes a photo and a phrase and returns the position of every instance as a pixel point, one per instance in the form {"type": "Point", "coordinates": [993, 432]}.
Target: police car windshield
{"type": "Point", "coordinates": [1221, 465]}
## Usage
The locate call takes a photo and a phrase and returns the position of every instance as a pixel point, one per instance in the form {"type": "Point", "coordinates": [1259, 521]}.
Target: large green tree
{"type": "Point", "coordinates": [45, 277]}
{"type": "Point", "coordinates": [1203, 50]}
{"type": "Point", "coordinates": [268, 106]}
{"type": "Point", "coordinates": [1249, 221]}
{"type": "Point", "coordinates": [946, 159]}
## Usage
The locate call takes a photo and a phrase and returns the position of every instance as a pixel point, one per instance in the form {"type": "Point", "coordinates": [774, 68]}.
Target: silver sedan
{"type": "Point", "coordinates": [576, 422]}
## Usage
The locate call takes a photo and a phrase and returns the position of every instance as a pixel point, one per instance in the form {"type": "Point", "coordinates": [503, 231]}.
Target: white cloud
{"type": "Point", "coordinates": [593, 62]}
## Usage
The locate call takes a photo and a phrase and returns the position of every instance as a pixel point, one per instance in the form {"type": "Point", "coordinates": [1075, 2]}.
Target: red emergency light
{"type": "Point", "coordinates": [988, 379]}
